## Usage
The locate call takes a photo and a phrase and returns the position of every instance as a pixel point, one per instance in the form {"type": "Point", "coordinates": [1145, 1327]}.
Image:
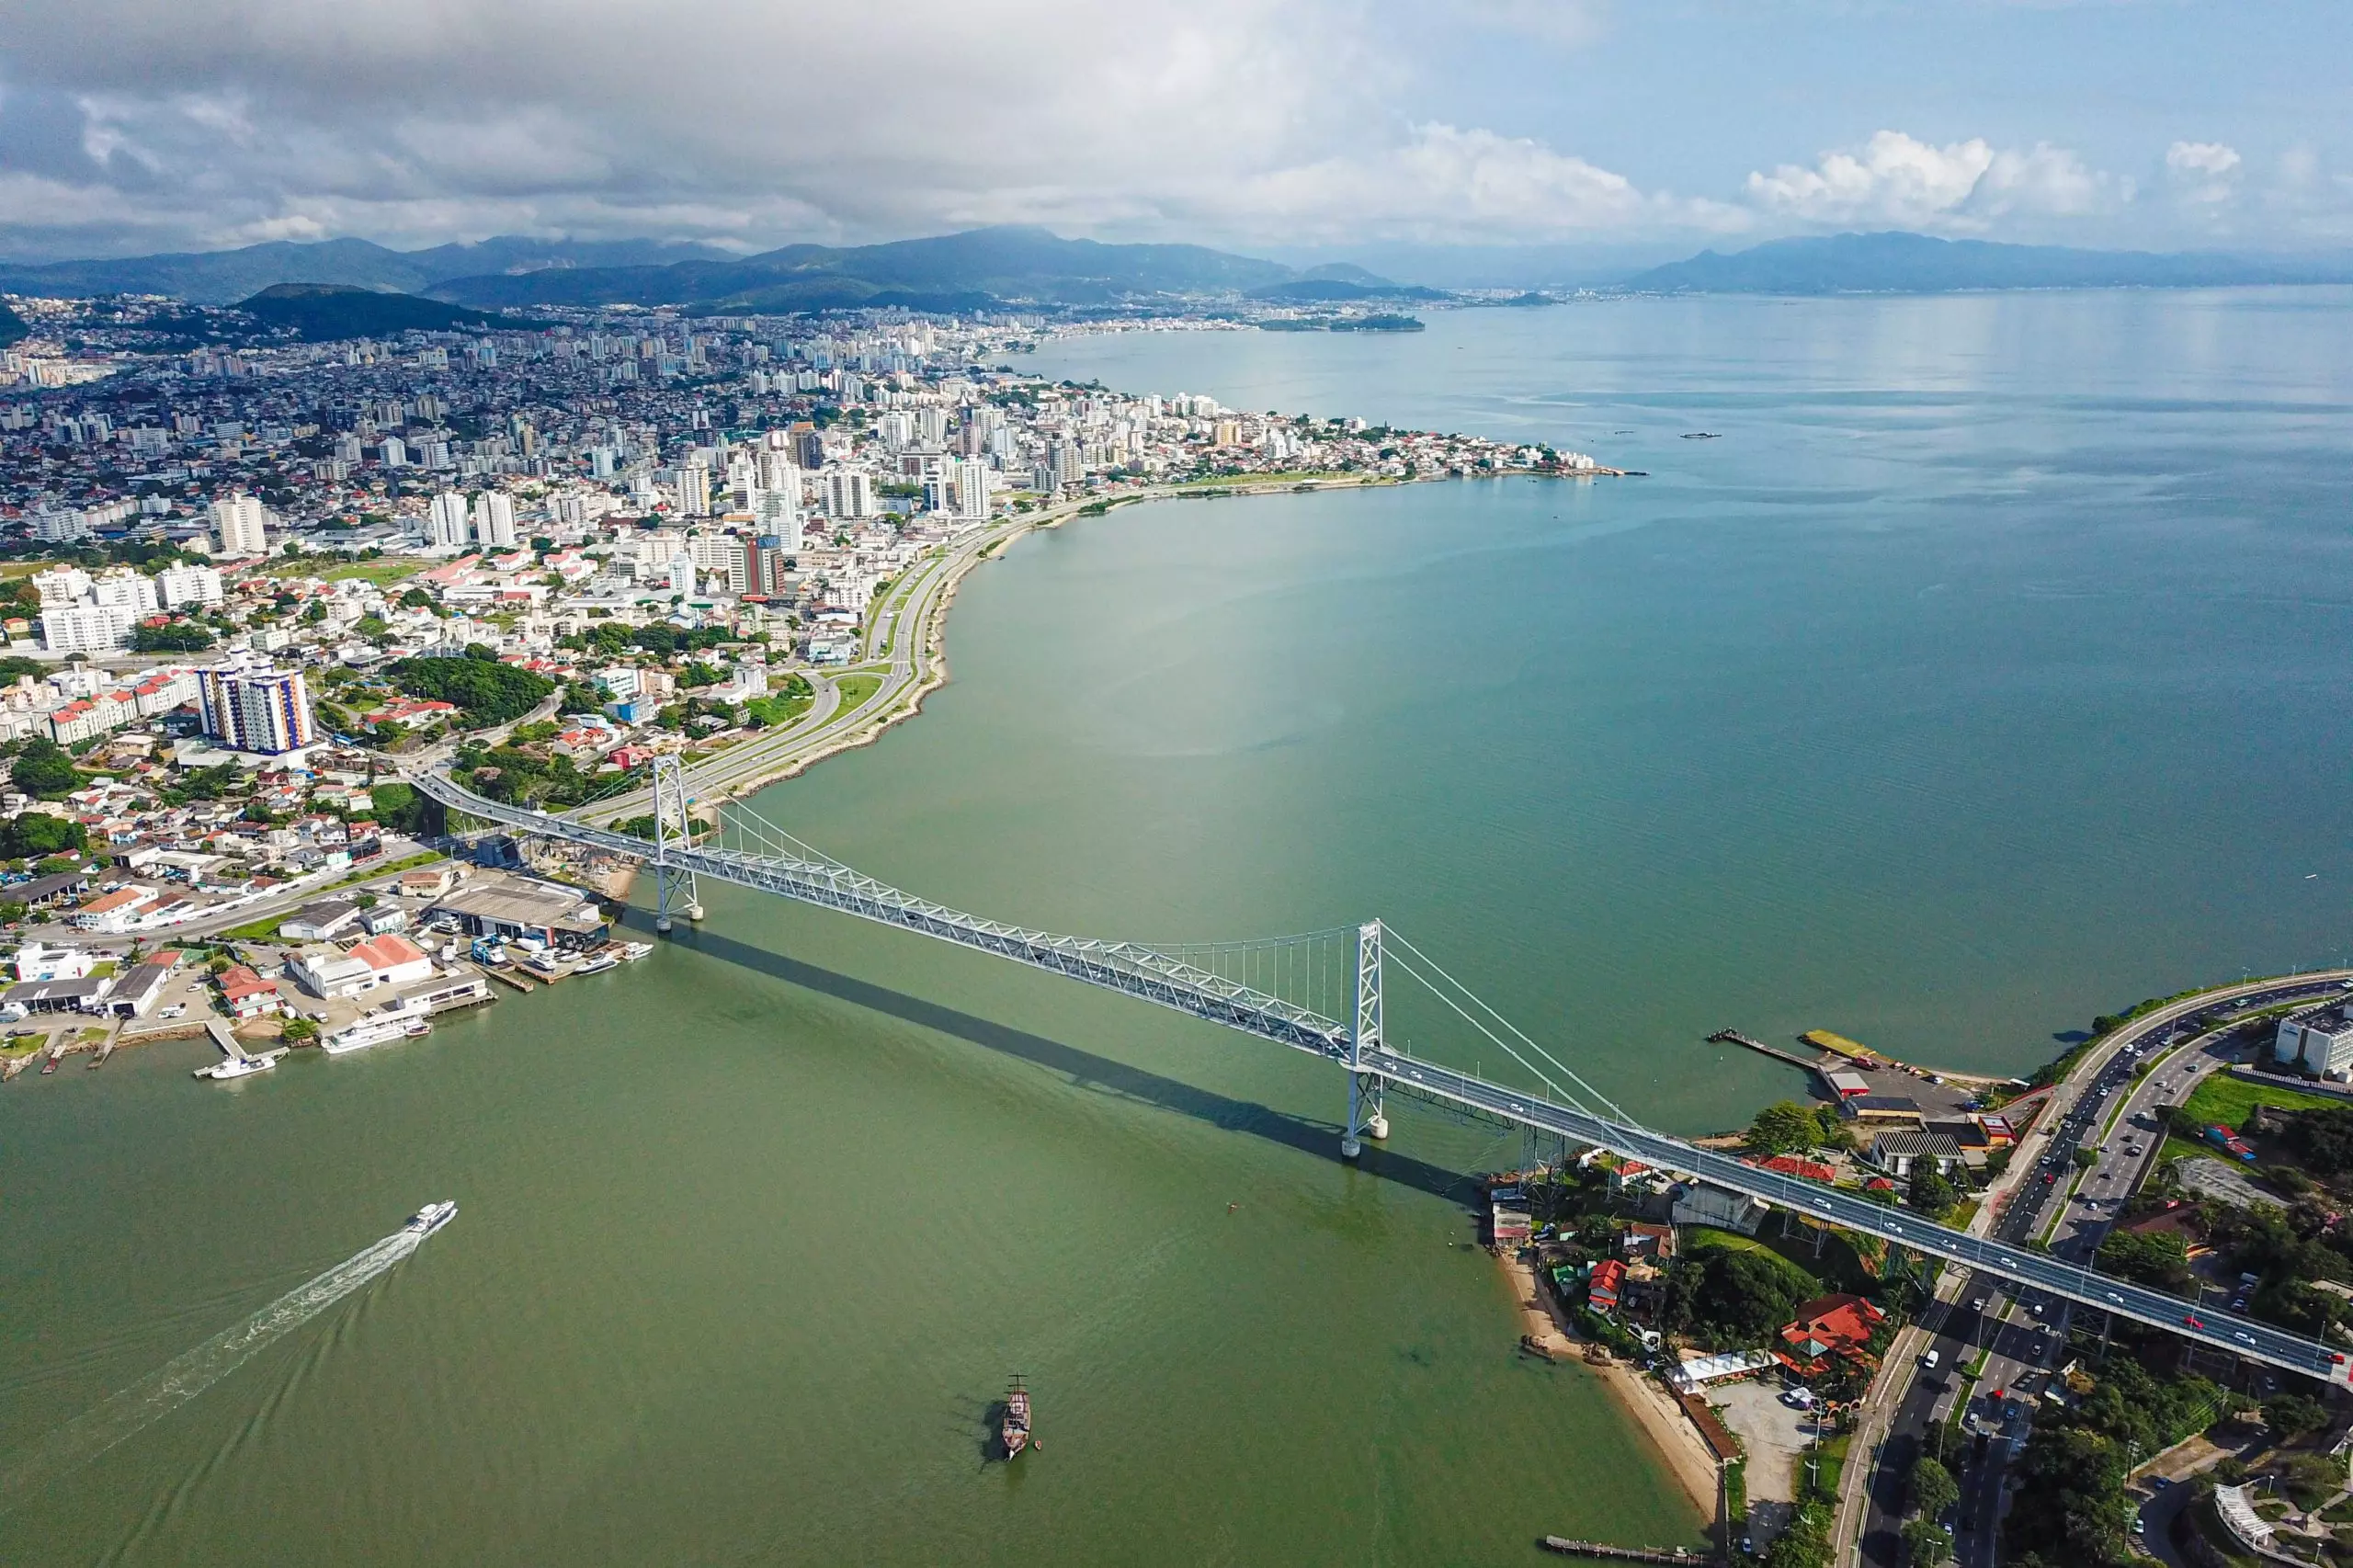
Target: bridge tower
{"type": "Point", "coordinates": [673, 827]}
{"type": "Point", "coordinates": [1366, 1118]}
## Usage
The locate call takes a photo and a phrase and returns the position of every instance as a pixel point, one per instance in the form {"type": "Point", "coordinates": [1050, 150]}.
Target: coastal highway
{"type": "Point", "coordinates": [903, 622]}
{"type": "Point", "coordinates": [2024, 1342]}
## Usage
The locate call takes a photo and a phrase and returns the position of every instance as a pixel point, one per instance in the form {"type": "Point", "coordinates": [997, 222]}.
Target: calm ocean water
{"type": "Point", "coordinates": [1987, 671]}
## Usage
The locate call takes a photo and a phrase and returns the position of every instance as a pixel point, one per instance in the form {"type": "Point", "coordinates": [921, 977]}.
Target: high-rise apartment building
{"type": "Point", "coordinates": [393, 454]}
{"type": "Point", "coordinates": [445, 519]}
{"type": "Point", "coordinates": [694, 491]}
{"type": "Point", "coordinates": [778, 512]}
{"type": "Point", "coordinates": [765, 565]}
{"type": "Point", "coordinates": [973, 479]}
{"type": "Point", "coordinates": [178, 585]}
{"type": "Point", "coordinates": [238, 522]}
{"type": "Point", "coordinates": [849, 493]}
{"type": "Point", "coordinates": [125, 589]}
{"type": "Point", "coordinates": [87, 628]}
{"type": "Point", "coordinates": [494, 518]}
{"type": "Point", "coordinates": [256, 708]}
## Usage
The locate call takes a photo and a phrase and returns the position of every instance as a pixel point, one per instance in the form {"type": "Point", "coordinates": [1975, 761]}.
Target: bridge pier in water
{"type": "Point", "coordinates": [773, 862]}
{"type": "Point", "coordinates": [674, 886]}
{"type": "Point", "coordinates": [1366, 1117]}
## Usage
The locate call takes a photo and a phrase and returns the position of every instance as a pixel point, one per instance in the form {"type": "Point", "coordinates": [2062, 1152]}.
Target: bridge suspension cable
{"type": "Point", "coordinates": [1594, 1101]}
{"type": "Point", "coordinates": [1214, 981]}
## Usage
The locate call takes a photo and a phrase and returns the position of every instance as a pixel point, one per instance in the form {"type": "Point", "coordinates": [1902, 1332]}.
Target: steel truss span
{"type": "Point", "coordinates": [1172, 980]}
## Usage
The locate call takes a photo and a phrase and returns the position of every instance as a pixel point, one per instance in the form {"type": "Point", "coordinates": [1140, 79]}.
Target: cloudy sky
{"type": "Point", "coordinates": [1302, 126]}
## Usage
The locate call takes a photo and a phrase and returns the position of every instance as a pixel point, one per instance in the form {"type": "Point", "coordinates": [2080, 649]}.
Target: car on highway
{"type": "Point", "coordinates": [2243, 1337]}
{"type": "Point", "coordinates": [2192, 1320]}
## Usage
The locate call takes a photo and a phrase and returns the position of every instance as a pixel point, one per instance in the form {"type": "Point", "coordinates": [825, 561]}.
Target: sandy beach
{"type": "Point", "coordinates": [1662, 1421]}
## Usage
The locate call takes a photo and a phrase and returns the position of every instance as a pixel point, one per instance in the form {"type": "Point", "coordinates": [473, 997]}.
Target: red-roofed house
{"type": "Point", "coordinates": [408, 709]}
{"type": "Point", "coordinates": [1607, 1284]}
{"type": "Point", "coordinates": [1829, 1328]}
{"type": "Point", "coordinates": [247, 994]}
{"type": "Point", "coordinates": [1792, 1165]}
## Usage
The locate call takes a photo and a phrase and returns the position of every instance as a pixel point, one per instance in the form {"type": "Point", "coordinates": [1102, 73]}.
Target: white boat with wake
{"type": "Point", "coordinates": [431, 1218]}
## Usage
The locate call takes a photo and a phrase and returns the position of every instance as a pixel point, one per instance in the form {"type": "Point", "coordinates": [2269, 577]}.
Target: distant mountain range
{"type": "Point", "coordinates": [322, 313]}
{"type": "Point", "coordinates": [221, 277]}
{"type": "Point", "coordinates": [1917, 263]}
{"type": "Point", "coordinates": [984, 269]}
{"type": "Point", "coordinates": [951, 272]}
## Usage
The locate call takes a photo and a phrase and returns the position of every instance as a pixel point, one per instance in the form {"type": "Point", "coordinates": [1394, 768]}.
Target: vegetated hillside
{"type": "Point", "coordinates": [1919, 264]}
{"type": "Point", "coordinates": [218, 277]}
{"type": "Point", "coordinates": [320, 313]}
{"type": "Point", "coordinates": [12, 327]}
{"type": "Point", "coordinates": [1002, 263]}
{"type": "Point", "coordinates": [947, 272]}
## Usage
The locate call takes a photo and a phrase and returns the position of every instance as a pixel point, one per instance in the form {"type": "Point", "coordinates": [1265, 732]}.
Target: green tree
{"type": "Point", "coordinates": [488, 692]}
{"type": "Point", "coordinates": [1743, 1296]}
{"type": "Point", "coordinates": [2290, 1415]}
{"type": "Point", "coordinates": [1924, 1542]}
{"type": "Point", "coordinates": [172, 637]}
{"type": "Point", "coordinates": [44, 768]}
{"type": "Point", "coordinates": [2160, 1261]}
{"type": "Point", "coordinates": [1931, 1194]}
{"type": "Point", "coordinates": [1784, 1127]}
{"type": "Point", "coordinates": [34, 834]}
{"type": "Point", "coordinates": [1933, 1488]}
{"type": "Point", "coordinates": [2086, 1158]}
{"type": "Point", "coordinates": [1806, 1543]}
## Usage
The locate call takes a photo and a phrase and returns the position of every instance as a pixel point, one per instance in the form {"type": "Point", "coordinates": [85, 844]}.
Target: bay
{"type": "Point", "coordinates": [1987, 671]}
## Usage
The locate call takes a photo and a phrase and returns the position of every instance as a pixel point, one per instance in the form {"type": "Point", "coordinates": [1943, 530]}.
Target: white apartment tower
{"type": "Point", "coordinates": [849, 493]}
{"type": "Point", "coordinates": [188, 586]}
{"type": "Point", "coordinates": [973, 478]}
{"type": "Point", "coordinates": [494, 518]}
{"type": "Point", "coordinates": [445, 520]}
{"type": "Point", "coordinates": [694, 491]}
{"type": "Point", "coordinates": [237, 519]}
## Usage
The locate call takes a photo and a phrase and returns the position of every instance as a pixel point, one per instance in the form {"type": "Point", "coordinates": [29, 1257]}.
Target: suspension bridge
{"type": "Point", "coordinates": [1321, 993]}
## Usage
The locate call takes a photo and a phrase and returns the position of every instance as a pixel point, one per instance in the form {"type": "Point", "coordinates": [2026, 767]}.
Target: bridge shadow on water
{"type": "Point", "coordinates": [1320, 1139]}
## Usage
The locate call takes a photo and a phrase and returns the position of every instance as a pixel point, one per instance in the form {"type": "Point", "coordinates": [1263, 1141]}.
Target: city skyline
{"type": "Point", "coordinates": [1300, 130]}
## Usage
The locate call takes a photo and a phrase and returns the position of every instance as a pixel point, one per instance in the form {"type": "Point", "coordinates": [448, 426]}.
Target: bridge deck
{"type": "Point", "coordinates": [1148, 975]}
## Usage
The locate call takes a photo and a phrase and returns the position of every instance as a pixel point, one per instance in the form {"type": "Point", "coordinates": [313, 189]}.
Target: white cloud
{"type": "Point", "coordinates": [1898, 179]}
{"type": "Point", "coordinates": [2203, 172]}
{"type": "Point", "coordinates": [1442, 182]}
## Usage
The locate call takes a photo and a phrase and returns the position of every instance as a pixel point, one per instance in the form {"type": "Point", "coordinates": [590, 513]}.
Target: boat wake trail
{"type": "Point", "coordinates": [155, 1396]}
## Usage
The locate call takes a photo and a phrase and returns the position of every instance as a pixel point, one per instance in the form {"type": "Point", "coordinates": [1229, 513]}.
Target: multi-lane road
{"type": "Point", "coordinates": [2112, 1113]}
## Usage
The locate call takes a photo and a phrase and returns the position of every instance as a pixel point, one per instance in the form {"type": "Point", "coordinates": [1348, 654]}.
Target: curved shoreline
{"type": "Point", "coordinates": [931, 655]}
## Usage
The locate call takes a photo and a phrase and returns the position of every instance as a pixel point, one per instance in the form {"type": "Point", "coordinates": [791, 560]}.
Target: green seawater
{"type": "Point", "coordinates": [1987, 672]}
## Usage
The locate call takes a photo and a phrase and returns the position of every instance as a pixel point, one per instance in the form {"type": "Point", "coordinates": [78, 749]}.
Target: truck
{"type": "Point", "coordinates": [2228, 1141]}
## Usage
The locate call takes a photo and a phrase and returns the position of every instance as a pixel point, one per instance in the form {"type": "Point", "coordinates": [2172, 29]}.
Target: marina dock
{"type": "Point", "coordinates": [1733, 1037]}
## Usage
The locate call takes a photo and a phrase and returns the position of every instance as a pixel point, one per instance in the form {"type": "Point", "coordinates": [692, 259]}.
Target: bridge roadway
{"type": "Point", "coordinates": [1152, 976]}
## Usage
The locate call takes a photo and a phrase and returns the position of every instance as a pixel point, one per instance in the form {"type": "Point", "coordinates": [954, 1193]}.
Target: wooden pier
{"type": "Point", "coordinates": [1568, 1548]}
{"type": "Point", "coordinates": [1733, 1037]}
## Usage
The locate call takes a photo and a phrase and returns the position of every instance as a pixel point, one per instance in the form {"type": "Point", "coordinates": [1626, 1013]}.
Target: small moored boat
{"type": "Point", "coordinates": [1013, 1431]}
